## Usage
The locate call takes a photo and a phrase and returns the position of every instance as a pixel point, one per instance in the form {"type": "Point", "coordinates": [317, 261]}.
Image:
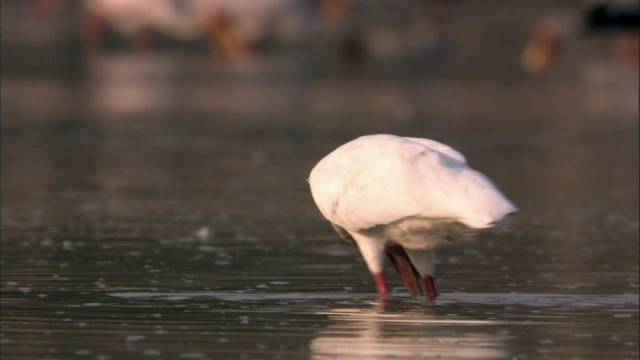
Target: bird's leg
{"type": "Point", "coordinates": [402, 264]}
{"type": "Point", "coordinates": [372, 251]}
{"type": "Point", "coordinates": [381, 284]}
{"type": "Point", "coordinates": [431, 287]}
{"type": "Point", "coordinates": [424, 262]}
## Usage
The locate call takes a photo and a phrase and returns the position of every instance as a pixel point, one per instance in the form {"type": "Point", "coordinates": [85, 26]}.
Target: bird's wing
{"type": "Point", "coordinates": [440, 147]}
{"type": "Point", "coordinates": [460, 193]}
{"type": "Point", "coordinates": [449, 189]}
{"type": "Point", "coordinates": [350, 184]}
{"type": "Point", "coordinates": [386, 178]}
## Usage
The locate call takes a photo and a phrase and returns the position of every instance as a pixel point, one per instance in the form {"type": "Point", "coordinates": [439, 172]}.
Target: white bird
{"type": "Point", "coordinates": [404, 197]}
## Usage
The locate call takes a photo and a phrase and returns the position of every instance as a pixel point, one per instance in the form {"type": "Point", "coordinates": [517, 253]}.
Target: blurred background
{"type": "Point", "coordinates": [162, 147]}
{"type": "Point", "coordinates": [395, 64]}
{"type": "Point", "coordinates": [313, 60]}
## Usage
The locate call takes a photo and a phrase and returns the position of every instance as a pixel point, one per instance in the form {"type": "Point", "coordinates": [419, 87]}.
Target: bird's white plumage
{"type": "Point", "coordinates": [381, 179]}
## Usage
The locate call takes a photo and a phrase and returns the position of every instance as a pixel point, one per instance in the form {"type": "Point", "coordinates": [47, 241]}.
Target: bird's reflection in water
{"type": "Point", "coordinates": [395, 328]}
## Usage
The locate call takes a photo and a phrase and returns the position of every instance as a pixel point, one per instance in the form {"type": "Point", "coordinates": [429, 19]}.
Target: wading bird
{"type": "Point", "coordinates": [404, 197]}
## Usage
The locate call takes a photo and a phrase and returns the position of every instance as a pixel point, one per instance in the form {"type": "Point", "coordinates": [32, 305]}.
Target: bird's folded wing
{"type": "Point", "coordinates": [380, 185]}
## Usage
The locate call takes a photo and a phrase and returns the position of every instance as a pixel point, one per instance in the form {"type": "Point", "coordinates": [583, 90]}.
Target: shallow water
{"type": "Point", "coordinates": [179, 224]}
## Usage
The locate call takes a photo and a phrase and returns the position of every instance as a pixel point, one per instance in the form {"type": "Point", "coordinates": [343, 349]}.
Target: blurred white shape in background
{"type": "Point", "coordinates": [233, 26]}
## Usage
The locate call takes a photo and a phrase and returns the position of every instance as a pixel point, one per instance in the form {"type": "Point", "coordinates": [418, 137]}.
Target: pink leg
{"type": "Point", "coordinates": [431, 287]}
{"type": "Point", "coordinates": [381, 284]}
